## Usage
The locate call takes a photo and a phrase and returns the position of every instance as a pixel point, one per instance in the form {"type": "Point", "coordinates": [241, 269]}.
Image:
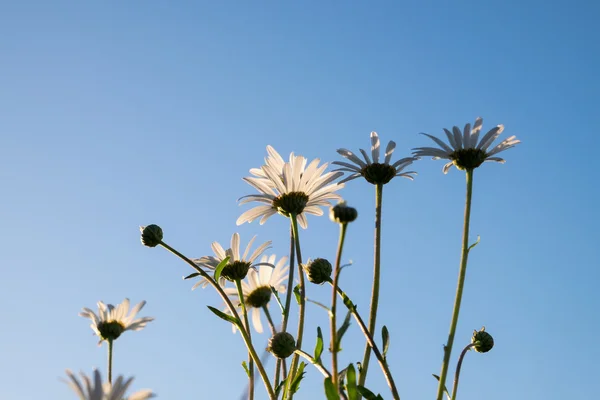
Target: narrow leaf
{"type": "Point", "coordinates": [445, 388]}
{"type": "Point", "coordinates": [385, 335]}
{"type": "Point", "coordinates": [351, 385]}
{"type": "Point", "coordinates": [278, 388]}
{"type": "Point", "coordinates": [276, 295]}
{"type": "Point", "coordinates": [323, 306]}
{"type": "Point", "coordinates": [318, 346]}
{"type": "Point", "coordinates": [297, 293]}
{"type": "Point", "coordinates": [366, 393]}
{"type": "Point", "coordinates": [342, 331]}
{"type": "Point", "coordinates": [224, 316]}
{"type": "Point", "coordinates": [190, 276]}
{"type": "Point", "coordinates": [475, 244]}
{"type": "Point", "coordinates": [299, 375]}
{"type": "Point", "coordinates": [219, 268]}
{"type": "Point", "coordinates": [246, 368]}
{"type": "Point", "coordinates": [347, 302]}
{"type": "Point", "coordinates": [330, 391]}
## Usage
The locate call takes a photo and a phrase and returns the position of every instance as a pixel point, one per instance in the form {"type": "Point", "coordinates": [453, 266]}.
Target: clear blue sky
{"type": "Point", "coordinates": [119, 114]}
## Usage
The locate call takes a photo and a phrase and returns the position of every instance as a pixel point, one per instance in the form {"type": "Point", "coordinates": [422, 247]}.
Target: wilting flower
{"type": "Point", "coordinates": [257, 291]}
{"type": "Point", "coordinates": [237, 267]}
{"type": "Point", "coordinates": [375, 172]}
{"type": "Point", "coordinates": [112, 321]}
{"type": "Point", "coordinates": [464, 151]}
{"type": "Point", "coordinates": [289, 188]}
{"type": "Point", "coordinates": [96, 390]}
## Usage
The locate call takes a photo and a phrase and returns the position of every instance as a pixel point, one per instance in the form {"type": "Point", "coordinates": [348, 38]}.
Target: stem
{"type": "Point", "coordinates": [376, 273]}
{"type": "Point", "coordinates": [333, 326]}
{"type": "Point", "coordinates": [110, 356]}
{"type": "Point", "coordinates": [290, 285]}
{"type": "Point", "coordinates": [458, 366]}
{"type": "Point", "coordinates": [371, 342]}
{"type": "Point", "coordinates": [318, 365]}
{"type": "Point", "coordinates": [273, 332]}
{"type": "Point", "coordinates": [459, 288]}
{"type": "Point", "coordinates": [235, 314]}
{"type": "Point", "coordinates": [238, 284]}
{"type": "Point", "coordinates": [300, 333]}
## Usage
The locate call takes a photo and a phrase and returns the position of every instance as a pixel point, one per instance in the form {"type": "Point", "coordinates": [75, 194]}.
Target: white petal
{"type": "Point", "coordinates": [375, 147]}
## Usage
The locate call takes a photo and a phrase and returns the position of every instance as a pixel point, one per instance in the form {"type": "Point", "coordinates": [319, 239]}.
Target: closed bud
{"type": "Point", "coordinates": [318, 271]}
{"type": "Point", "coordinates": [482, 340]}
{"type": "Point", "coordinates": [342, 214]}
{"type": "Point", "coordinates": [152, 235]}
{"type": "Point", "coordinates": [282, 345]}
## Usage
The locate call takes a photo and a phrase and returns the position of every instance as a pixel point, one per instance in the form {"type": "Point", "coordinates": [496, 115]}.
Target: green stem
{"type": "Point", "coordinates": [318, 364]}
{"type": "Point", "coordinates": [233, 312]}
{"type": "Point", "coordinates": [273, 332]}
{"type": "Point", "coordinates": [371, 342]}
{"type": "Point", "coordinates": [110, 356]}
{"type": "Point", "coordinates": [238, 285]}
{"type": "Point", "coordinates": [333, 326]}
{"type": "Point", "coordinates": [300, 333]}
{"type": "Point", "coordinates": [290, 285]}
{"type": "Point", "coordinates": [458, 367]}
{"type": "Point", "coordinates": [375, 290]}
{"type": "Point", "coordinates": [459, 288]}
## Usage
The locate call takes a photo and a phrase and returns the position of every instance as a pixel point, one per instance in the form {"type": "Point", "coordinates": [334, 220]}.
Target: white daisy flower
{"type": "Point", "coordinates": [112, 321]}
{"type": "Point", "coordinates": [464, 151]}
{"type": "Point", "coordinates": [237, 267]}
{"type": "Point", "coordinates": [289, 188]}
{"type": "Point", "coordinates": [257, 291]}
{"type": "Point", "coordinates": [96, 390]}
{"type": "Point", "coordinates": [374, 171]}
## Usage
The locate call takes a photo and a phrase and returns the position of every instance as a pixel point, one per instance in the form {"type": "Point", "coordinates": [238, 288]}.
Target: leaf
{"type": "Point", "coordinates": [347, 302]}
{"type": "Point", "coordinates": [278, 388]}
{"type": "Point", "coordinates": [246, 368]}
{"type": "Point", "coordinates": [224, 316]}
{"type": "Point", "coordinates": [219, 268]}
{"type": "Point", "coordinates": [299, 375]}
{"type": "Point", "coordinates": [385, 335]}
{"type": "Point", "coordinates": [367, 394]}
{"type": "Point", "coordinates": [320, 305]}
{"type": "Point", "coordinates": [445, 388]}
{"type": "Point", "coordinates": [276, 295]}
{"type": "Point", "coordinates": [190, 276]}
{"type": "Point", "coordinates": [475, 244]}
{"type": "Point", "coordinates": [342, 331]}
{"type": "Point", "coordinates": [297, 293]}
{"type": "Point", "coordinates": [330, 391]}
{"type": "Point", "coordinates": [318, 346]}
{"type": "Point", "coordinates": [351, 385]}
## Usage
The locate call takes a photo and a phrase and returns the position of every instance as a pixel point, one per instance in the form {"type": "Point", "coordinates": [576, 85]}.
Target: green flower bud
{"type": "Point", "coordinates": [318, 271]}
{"type": "Point", "coordinates": [342, 214]}
{"type": "Point", "coordinates": [482, 340]}
{"type": "Point", "coordinates": [282, 345]}
{"type": "Point", "coordinates": [152, 235]}
{"type": "Point", "coordinates": [236, 270]}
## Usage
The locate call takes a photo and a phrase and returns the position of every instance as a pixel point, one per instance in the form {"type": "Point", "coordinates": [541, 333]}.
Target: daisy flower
{"type": "Point", "coordinates": [289, 188]}
{"type": "Point", "coordinates": [464, 151]}
{"type": "Point", "coordinates": [374, 171]}
{"type": "Point", "coordinates": [257, 291]}
{"type": "Point", "coordinates": [88, 390]}
{"type": "Point", "coordinates": [237, 267]}
{"type": "Point", "coordinates": [112, 321]}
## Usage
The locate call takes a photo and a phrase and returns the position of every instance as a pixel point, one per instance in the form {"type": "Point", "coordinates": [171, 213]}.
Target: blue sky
{"type": "Point", "coordinates": [120, 114]}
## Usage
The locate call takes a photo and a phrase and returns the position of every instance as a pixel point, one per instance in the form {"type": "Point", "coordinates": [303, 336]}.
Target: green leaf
{"type": "Point", "coordinates": [323, 306]}
{"type": "Point", "coordinates": [297, 293]}
{"type": "Point", "coordinates": [276, 295]}
{"type": "Point", "coordinates": [219, 268]}
{"type": "Point", "coordinates": [278, 388]}
{"type": "Point", "coordinates": [342, 331]}
{"type": "Point", "coordinates": [347, 302]}
{"type": "Point", "coordinates": [385, 335]}
{"type": "Point", "coordinates": [224, 316]}
{"type": "Point", "coordinates": [367, 394]}
{"type": "Point", "coordinates": [190, 276]}
{"type": "Point", "coordinates": [246, 368]}
{"type": "Point", "coordinates": [351, 385]}
{"type": "Point", "coordinates": [330, 391]}
{"type": "Point", "coordinates": [475, 244]}
{"type": "Point", "coordinates": [445, 388]}
{"type": "Point", "coordinates": [299, 375]}
{"type": "Point", "coordinates": [318, 346]}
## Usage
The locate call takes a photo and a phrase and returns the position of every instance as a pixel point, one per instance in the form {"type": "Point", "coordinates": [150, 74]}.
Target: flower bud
{"type": "Point", "coordinates": [342, 214]}
{"type": "Point", "coordinates": [318, 271]}
{"type": "Point", "coordinates": [282, 345]}
{"type": "Point", "coordinates": [482, 340]}
{"type": "Point", "coordinates": [152, 235]}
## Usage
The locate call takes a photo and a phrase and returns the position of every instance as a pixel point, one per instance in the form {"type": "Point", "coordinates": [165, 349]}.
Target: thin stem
{"type": "Point", "coordinates": [317, 365]}
{"type": "Point", "coordinates": [273, 332]}
{"type": "Point", "coordinates": [238, 285]}
{"type": "Point", "coordinates": [333, 326]}
{"type": "Point", "coordinates": [371, 342]}
{"type": "Point", "coordinates": [290, 285]}
{"type": "Point", "coordinates": [459, 288]}
{"type": "Point", "coordinates": [110, 356]}
{"type": "Point", "coordinates": [376, 273]}
{"type": "Point", "coordinates": [233, 312]}
{"type": "Point", "coordinates": [458, 367]}
{"type": "Point", "coordinates": [301, 307]}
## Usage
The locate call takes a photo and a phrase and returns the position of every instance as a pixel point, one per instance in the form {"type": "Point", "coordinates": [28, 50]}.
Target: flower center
{"type": "Point", "coordinates": [290, 203]}
{"type": "Point", "coordinates": [110, 330]}
{"type": "Point", "coordinates": [259, 297]}
{"type": "Point", "coordinates": [468, 158]}
{"type": "Point", "coordinates": [378, 173]}
{"type": "Point", "coordinates": [235, 270]}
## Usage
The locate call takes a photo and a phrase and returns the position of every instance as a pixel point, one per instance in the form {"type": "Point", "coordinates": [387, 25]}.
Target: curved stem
{"type": "Point", "coordinates": [458, 367]}
{"type": "Point", "coordinates": [334, 346]}
{"type": "Point", "coordinates": [317, 365]}
{"type": "Point", "coordinates": [376, 273]}
{"type": "Point", "coordinates": [238, 285]}
{"type": "Point", "coordinates": [233, 312]}
{"type": "Point", "coordinates": [459, 288]}
{"type": "Point", "coordinates": [371, 342]}
{"type": "Point", "coordinates": [110, 356]}
{"type": "Point", "coordinates": [300, 333]}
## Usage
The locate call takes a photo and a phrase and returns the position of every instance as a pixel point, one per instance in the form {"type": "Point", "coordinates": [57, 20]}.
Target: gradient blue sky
{"type": "Point", "coordinates": [120, 114]}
